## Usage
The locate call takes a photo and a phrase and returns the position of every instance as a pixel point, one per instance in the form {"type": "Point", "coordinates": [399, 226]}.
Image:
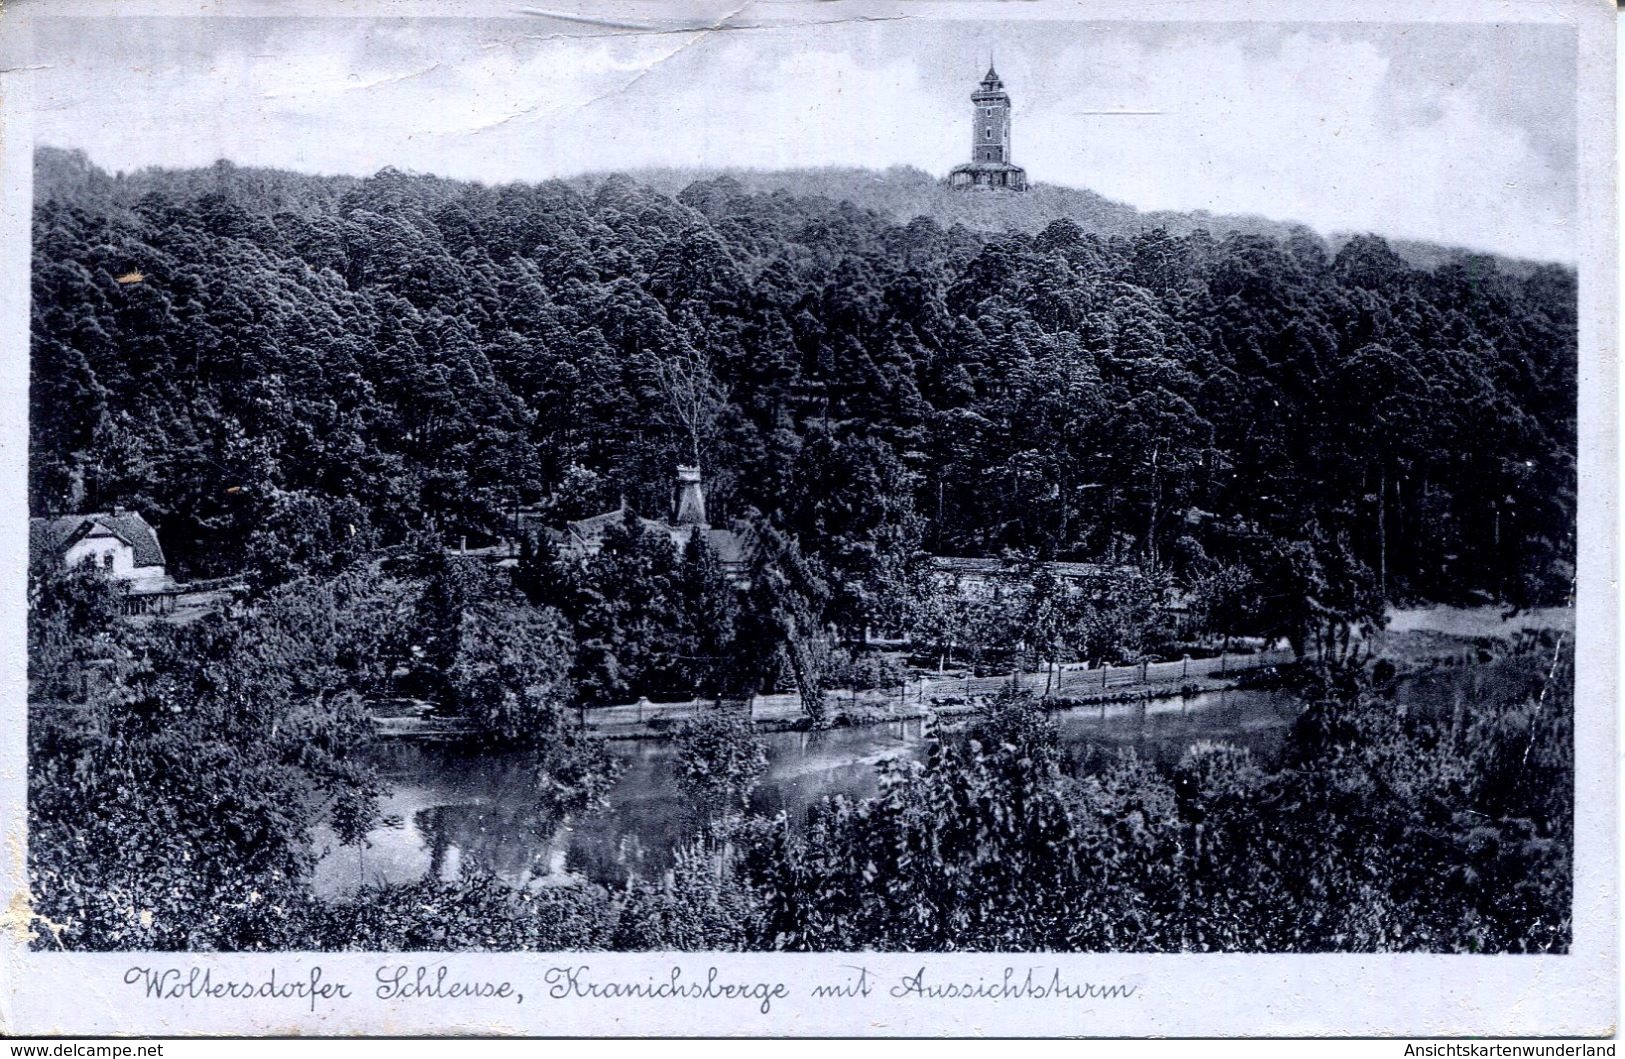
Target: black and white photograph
{"type": "Point", "coordinates": [639, 478]}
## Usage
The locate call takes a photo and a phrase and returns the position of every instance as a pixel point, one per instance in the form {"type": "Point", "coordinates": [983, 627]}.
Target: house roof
{"type": "Point", "coordinates": [54, 536]}
{"type": "Point", "coordinates": [953, 564]}
{"type": "Point", "coordinates": [732, 547]}
{"type": "Point", "coordinates": [594, 527]}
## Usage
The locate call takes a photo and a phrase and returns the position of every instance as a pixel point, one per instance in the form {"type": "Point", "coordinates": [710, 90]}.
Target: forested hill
{"type": "Point", "coordinates": [285, 371]}
{"type": "Point", "coordinates": [903, 193]}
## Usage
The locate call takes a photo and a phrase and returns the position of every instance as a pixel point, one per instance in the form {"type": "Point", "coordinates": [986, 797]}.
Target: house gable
{"type": "Point", "coordinates": [124, 535]}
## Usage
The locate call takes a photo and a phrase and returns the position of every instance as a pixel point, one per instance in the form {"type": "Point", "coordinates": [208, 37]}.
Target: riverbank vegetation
{"type": "Point", "coordinates": [1379, 828]}
{"type": "Point", "coordinates": [178, 776]}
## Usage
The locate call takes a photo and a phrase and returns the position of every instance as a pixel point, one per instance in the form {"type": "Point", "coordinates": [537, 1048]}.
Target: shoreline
{"type": "Point", "coordinates": [661, 720]}
{"type": "Point", "coordinates": [946, 707]}
{"type": "Point", "coordinates": [1413, 648]}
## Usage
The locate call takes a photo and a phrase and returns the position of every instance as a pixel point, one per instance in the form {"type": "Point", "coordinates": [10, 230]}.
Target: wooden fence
{"type": "Point", "coordinates": [1070, 681]}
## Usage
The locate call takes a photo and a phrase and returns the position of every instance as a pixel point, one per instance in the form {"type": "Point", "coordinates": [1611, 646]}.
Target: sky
{"type": "Point", "coordinates": [1463, 134]}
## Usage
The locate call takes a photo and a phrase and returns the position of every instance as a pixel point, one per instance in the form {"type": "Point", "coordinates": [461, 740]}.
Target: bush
{"type": "Point", "coordinates": [864, 671]}
{"type": "Point", "coordinates": [699, 905]}
{"type": "Point", "coordinates": [719, 758]}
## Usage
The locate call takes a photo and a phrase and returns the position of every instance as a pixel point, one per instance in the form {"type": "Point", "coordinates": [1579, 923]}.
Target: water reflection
{"type": "Point", "coordinates": [457, 808]}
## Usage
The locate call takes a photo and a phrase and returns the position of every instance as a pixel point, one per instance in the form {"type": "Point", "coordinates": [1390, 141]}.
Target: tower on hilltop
{"type": "Point", "coordinates": [990, 165]}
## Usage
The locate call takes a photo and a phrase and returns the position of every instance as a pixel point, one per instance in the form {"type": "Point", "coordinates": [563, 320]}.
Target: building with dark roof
{"type": "Point", "coordinates": [585, 536]}
{"type": "Point", "coordinates": [978, 577]}
{"type": "Point", "coordinates": [120, 542]}
{"type": "Point", "coordinates": [990, 166]}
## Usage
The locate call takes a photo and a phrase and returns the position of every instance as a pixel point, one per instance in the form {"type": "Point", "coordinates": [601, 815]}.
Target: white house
{"type": "Point", "coordinates": [120, 542]}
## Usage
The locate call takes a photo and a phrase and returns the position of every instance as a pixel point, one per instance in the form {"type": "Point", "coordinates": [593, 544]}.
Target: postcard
{"type": "Point", "coordinates": [808, 519]}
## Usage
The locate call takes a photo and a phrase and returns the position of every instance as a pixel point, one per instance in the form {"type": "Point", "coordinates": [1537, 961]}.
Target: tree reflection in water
{"type": "Point", "coordinates": [465, 808]}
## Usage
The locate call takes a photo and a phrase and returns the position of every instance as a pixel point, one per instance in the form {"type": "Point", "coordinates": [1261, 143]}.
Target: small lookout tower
{"type": "Point", "coordinates": [690, 498]}
{"type": "Point", "coordinates": [990, 166]}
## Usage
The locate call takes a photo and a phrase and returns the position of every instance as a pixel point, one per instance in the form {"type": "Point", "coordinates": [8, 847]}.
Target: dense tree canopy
{"type": "Point", "coordinates": [284, 371]}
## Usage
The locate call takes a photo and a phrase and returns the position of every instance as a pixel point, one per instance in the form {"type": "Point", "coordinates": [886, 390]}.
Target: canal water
{"type": "Point", "coordinates": [451, 807]}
